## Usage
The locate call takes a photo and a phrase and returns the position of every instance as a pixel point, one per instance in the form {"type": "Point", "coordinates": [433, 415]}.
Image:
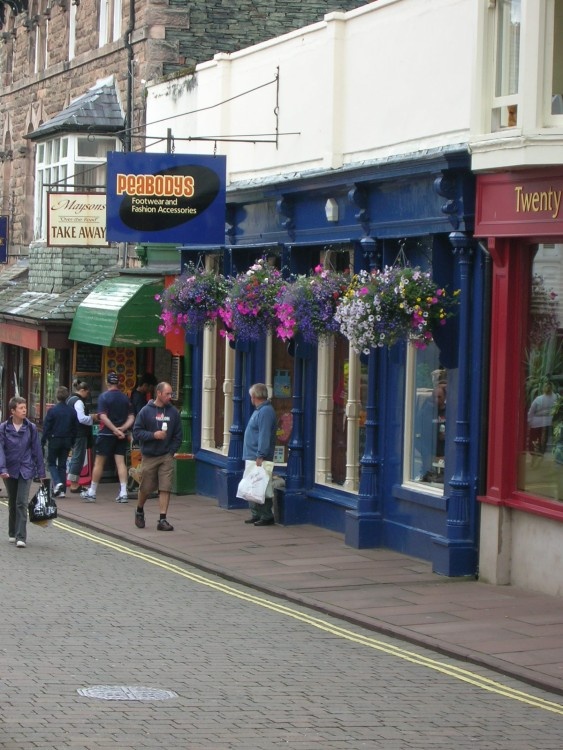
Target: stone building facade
{"type": "Point", "coordinates": [53, 51]}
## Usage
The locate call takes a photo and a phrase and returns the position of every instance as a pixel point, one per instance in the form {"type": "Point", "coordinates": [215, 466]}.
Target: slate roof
{"type": "Point", "coordinates": [10, 275]}
{"type": "Point", "coordinates": [18, 304]}
{"type": "Point", "coordinates": [97, 111]}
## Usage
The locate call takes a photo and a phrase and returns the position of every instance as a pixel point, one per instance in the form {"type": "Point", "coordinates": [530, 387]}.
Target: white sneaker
{"type": "Point", "coordinates": [12, 539]}
{"type": "Point", "coordinates": [122, 499]}
{"type": "Point", "coordinates": [20, 543]}
{"type": "Point", "coordinates": [59, 490]}
{"type": "Point", "coordinates": [87, 497]}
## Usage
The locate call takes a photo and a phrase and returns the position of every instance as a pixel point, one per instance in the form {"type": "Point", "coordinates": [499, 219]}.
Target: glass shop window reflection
{"type": "Point", "coordinates": [428, 389]}
{"type": "Point", "coordinates": [540, 469]}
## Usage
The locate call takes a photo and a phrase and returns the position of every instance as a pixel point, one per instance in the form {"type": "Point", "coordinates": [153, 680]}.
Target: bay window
{"type": "Point", "coordinates": [68, 162]}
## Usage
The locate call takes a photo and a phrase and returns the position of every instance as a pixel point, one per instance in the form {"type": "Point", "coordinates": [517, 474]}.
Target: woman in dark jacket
{"type": "Point", "coordinates": [21, 459]}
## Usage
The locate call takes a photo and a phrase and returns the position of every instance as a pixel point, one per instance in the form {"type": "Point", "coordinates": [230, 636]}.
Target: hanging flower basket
{"type": "Point", "coordinates": [192, 301]}
{"type": "Point", "coordinates": [396, 304]}
{"type": "Point", "coordinates": [307, 305]}
{"type": "Point", "coordinates": [249, 309]}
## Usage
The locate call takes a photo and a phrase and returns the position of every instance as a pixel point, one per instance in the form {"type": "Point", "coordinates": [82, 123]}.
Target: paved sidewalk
{"type": "Point", "coordinates": [508, 629]}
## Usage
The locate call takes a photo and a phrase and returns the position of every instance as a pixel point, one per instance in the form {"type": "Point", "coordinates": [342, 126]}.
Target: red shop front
{"type": "Point", "coordinates": [520, 218]}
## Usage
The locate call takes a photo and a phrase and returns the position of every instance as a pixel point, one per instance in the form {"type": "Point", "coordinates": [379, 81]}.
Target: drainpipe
{"type": "Point", "coordinates": [130, 74]}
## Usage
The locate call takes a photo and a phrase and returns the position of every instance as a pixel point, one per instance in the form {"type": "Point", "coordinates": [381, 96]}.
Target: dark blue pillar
{"type": "Point", "coordinates": [364, 525]}
{"type": "Point", "coordinates": [456, 553]}
{"type": "Point", "coordinates": [295, 499]}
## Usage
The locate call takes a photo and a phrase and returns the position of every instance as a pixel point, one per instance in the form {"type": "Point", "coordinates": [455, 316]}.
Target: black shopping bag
{"type": "Point", "coordinates": [42, 507]}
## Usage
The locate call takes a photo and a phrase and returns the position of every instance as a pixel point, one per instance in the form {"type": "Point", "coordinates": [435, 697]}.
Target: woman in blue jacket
{"type": "Point", "coordinates": [21, 459]}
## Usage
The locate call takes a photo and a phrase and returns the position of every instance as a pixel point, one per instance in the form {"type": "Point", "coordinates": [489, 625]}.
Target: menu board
{"type": "Point", "coordinates": [87, 359]}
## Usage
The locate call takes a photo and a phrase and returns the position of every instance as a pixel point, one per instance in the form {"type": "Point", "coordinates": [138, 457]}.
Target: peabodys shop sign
{"type": "Point", "coordinates": [166, 198]}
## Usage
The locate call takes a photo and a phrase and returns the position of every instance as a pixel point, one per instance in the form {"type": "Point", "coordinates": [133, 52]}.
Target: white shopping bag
{"type": "Point", "coordinates": [252, 486]}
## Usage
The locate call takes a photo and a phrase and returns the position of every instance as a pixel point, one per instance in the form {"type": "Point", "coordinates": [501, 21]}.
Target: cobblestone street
{"type": "Point", "coordinates": [226, 667]}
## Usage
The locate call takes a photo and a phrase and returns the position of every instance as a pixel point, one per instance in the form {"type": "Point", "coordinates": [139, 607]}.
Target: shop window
{"type": "Point", "coordinates": [507, 63]}
{"type": "Point", "coordinates": [217, 393]}
{"type": "Point", "coordinates": [53, 376]}
{"type": "Point", "coordinates": [425, 418]}
{"type": "Point", "coordinates": [540, 469]}
{"type": "Point", "coordinates": [341, 414]}
{"type": "Point", "coordinates": [280, 385]}
{"type": "Point", "coordinates": [34, 395]}
{"type": "Point", "coordinates": [342, 395]}
{"type": "Point", "coordinates": [221, 430]}
{"type": "Point", "coordinates": [218, 376]}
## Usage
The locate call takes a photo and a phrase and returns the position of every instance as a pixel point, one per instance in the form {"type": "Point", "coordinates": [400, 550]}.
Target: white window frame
{"type": "Point", "coordinates": [210, 377]}
{"type": "Point", "coordinates": [502, 102]}
{"type": "Point", "coordinates": [110, 21]}
{"type": "Point", "coordinates": [58, 172]}
{"type": "Point", "coordinates": [325, 408]}
{"type": "Point", "coordinates": [409, 421]}
{"type": "Point", "coordinates": [548, 41]}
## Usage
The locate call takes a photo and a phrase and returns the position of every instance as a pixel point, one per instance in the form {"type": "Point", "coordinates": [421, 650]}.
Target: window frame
{"type": "Point", "coordinates": [548, 32]}
{"type": "Point", "coordinates": [408, 432]}
{"type": "Point", "coordinates": [110, 21]}
{"type": "Point", "coordinates": [504, 104]}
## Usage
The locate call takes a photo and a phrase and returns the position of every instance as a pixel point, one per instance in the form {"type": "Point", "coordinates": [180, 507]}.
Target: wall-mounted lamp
{"type": "Point", "coordinates": [331, 210]}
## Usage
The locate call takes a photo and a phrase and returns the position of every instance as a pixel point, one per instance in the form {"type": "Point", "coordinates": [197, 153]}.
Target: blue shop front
{"type": "Point", "coordinates": [385, 447]}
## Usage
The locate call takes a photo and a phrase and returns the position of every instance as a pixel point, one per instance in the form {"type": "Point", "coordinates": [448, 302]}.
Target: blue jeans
{"type": "Point", "coordinates": [57, 457]}
{"type": "Point", "coordinates": [18, 499]}
{"type": "Point", "coordinates": [77, 459]}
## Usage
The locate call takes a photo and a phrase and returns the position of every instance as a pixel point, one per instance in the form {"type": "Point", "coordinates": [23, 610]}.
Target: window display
{"type": "Point", "coordinates": [427, 393]}
{"type": "Point", "coordinates": [540, 470]}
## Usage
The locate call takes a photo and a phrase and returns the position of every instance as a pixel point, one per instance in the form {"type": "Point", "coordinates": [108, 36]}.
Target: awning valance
{"type": "Point", "coordinates": [121, 311]}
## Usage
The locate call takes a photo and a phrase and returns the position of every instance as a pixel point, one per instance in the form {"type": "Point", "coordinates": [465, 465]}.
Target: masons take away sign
{"type": "Point", "coordinates": [76, 219]}
{"type": "Point", "coordinates": [175, 198]}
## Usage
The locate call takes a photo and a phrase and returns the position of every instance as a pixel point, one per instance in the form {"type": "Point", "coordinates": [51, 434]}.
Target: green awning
{"type": "Point", "coordinates": [121, 311]}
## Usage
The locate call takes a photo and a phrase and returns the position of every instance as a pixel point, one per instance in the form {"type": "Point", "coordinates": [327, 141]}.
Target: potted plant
{"type": "Point", "coordinates": [307, 305]}
{"type": "Point", "coordinates": [248, 311]}
{"type": "Point", "coordinates": [396, 304]}
{"type": "Point", "coordinates": [193, 300]}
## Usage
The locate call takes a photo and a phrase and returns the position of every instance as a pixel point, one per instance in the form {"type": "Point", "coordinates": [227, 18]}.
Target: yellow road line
{"type": "Point", "coordinates": [458, 673]}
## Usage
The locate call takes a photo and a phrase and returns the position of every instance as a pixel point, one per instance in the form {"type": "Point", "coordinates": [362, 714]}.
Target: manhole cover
{"type": "Point", "coordinates": [127, 693]}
